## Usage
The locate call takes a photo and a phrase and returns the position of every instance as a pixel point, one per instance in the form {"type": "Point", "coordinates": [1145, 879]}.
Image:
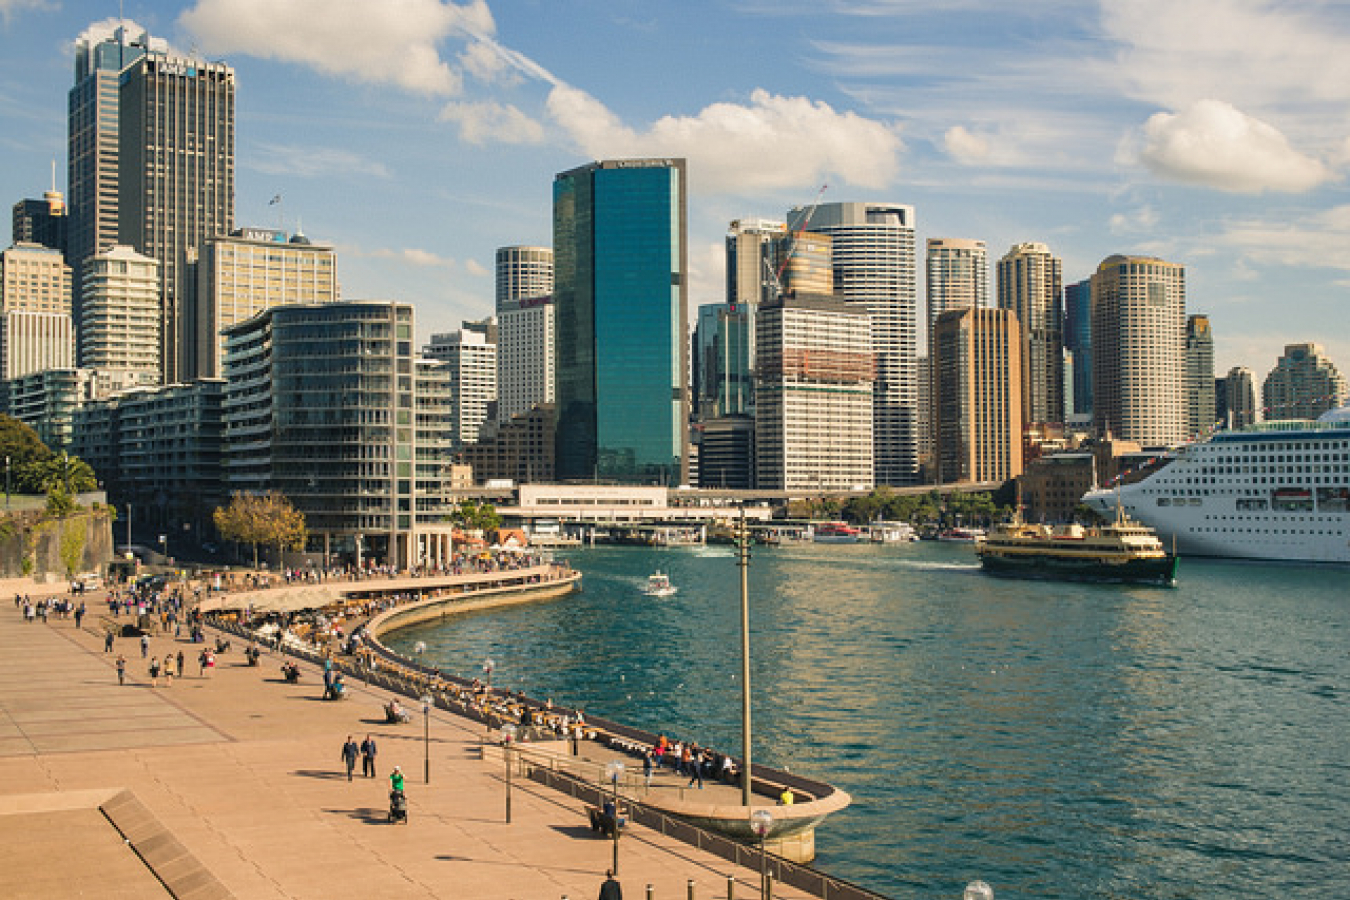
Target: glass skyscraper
{"type": "Point", "coordinates": [621, 297]}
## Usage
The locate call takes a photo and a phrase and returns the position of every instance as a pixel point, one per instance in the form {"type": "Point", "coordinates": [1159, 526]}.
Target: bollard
{"type": "Point", "coordinates": [650, 892]}
{"type": "Point", "coordinates": [768, 886]}
{"type": "Point", "coordinates": [731, 887]}
{"type": "Point", "coordinates": [691, 889]}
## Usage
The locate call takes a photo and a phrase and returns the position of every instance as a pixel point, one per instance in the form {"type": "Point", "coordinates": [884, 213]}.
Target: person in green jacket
{"type": "Point", "coordinates": [396, 779]}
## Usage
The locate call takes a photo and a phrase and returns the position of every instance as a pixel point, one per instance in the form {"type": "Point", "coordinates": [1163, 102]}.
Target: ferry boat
{"type": "Point", "coordinates": [891, 533]}
{"type": "Point", "coordinates": [658, 585]}
{"type": "Point", "coordinates": [1275, 490]}
{"type": "Point", "coordinates": [962, 535]}
{"type": "Point", "coordinates": [1120, 551]}
{"type": "Point", "coordinates": [835, 533]}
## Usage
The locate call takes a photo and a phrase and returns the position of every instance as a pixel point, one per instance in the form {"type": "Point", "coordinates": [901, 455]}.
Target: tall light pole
{"type": "Point", "coordinates": [614, 770]}
{"type": "Point", "coordinates": [508, 735]}
{"type": "Point", "coordinates": [6, 482]}
{"type": "Point", "coordinates": [426, 738]}
{"type": "Point", "coordinates": [743, 561]}
{"type": "Point", "coordinates": [761, 820]}
{"type": "Point", "coordinates": [128, 526]}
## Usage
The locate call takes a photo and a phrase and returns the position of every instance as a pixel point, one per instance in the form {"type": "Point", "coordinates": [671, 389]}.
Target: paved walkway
{"type": "Point", "coordinates": [231, 785]}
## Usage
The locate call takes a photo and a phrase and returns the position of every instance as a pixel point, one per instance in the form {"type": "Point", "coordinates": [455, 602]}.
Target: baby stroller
{"type": "Point", "coordinates": [398, 807]}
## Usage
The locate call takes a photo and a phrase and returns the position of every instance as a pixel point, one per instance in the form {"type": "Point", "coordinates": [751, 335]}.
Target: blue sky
{"type": "Point", "coordinates": [417, 136]}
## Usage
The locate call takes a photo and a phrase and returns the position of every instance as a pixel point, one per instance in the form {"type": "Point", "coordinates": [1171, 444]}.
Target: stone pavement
{"type": "Point", "coordinates": [231, 785]}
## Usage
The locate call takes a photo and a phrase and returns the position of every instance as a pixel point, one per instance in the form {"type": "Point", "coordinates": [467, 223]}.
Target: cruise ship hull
{"type": "Point", "coordinates": [1276, 491]}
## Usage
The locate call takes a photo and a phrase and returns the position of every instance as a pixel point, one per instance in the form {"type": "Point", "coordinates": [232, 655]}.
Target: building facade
{"type": "Point", "coordinates": [1201, 406]}
{"type": "Point", "coordinates": [722, 371]}
{"type": "Point", "coordinates": [526, 360]}
{"type": "Point", "coordinates": [1240, 402]}
{"type": "Point", "coordinates": [119, 331]}
{"type": "Point", "coordinates": [176, 175]}
{"type": "Point", "coordinates": [1138, 350]}
{"type": "Point", "coordinates": [42, 221]}
{"type": "Point", "coordinates": [471, 365]}
{"type": "Point", "coordinates": [523, 273]}
{"type": "Point", "coordinates": [241, 274]}
{"type": "Point", "coordinates": [1030, 280]}
{"type": "Point", "coordinates": [520, 450]}
{"type": "Point", "coordinates": [36, 331]}
{"type": "Point", "coordinates": [93, 139]}
{"type": "Point", "coordinates": [1303, 385]}
{"type": "Point", "coordinates": [621, 290]}
{"type": "Point", "coordinates": [956, 275]}
{"type": "Point", "coordinates": [813, 406]}
{"type": "Point", "coordinates": [977, 395]}
{"type": "Point", "coordinates": [328, 405]}
{"type": "Point", "coordinates": [1078, 344]}
{"type": "Point", "coordinates": [874, 265]}
{"type": "Point", "coordinates": [46, 401]}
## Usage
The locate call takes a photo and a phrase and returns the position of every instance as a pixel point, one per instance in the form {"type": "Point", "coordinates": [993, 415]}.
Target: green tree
{"type": "Point", "coordinates": [474, 516]}
{"type": "Point", "coordinates": [261, 519]}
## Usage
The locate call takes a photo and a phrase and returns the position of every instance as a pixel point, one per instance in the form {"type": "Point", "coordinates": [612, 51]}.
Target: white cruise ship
{"type": "Point", "coordinates": [1277, 490]}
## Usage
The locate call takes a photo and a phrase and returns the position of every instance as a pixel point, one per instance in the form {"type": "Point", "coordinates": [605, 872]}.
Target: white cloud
{"type": "Point", "coordinates": [474, 267]}
{"type": "Point", "coordinates": [1315, 242]}
{"type": "Point", "coordinates": [414, 256]}
{"type": "Point", "coordinates": [390, 41]}
{"type": "Point", "coordinates": [1141, 219]}
{"type": "Point", "coordinates": [1214, 144]}
{"type": "Point", "coordinates": [312, 162]}
{"type": "Point", "coordinates": [771, 142]}
{"type": "Point", "coordinates": [485, 121]}
{"type": "Point", "coordinates": [9, 7]}
{"type": "Point", "coordinates": [965, 145]}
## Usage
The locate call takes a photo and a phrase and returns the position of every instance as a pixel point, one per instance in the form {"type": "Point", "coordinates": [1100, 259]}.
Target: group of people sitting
{"type": "Point", "coordinates": [395, 714]}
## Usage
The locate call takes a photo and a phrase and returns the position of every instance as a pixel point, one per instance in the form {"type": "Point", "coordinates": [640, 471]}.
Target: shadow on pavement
{"type": "Point", "coordinates": [367, 814]}
{"type": "Point", "coordinates": [320, 773]}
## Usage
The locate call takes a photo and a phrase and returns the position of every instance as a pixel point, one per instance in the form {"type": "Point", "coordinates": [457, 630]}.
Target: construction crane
{"type": "Point", "coordinates": [775, 276]}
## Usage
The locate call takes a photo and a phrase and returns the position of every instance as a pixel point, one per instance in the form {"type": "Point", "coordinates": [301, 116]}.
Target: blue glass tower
{"type": "Point", "coordinates": [621, 299]}
{"type": "Point", "coordinates": [1078, 341]}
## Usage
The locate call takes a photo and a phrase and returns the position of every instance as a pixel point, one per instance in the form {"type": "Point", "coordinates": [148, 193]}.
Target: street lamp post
{"type": "Point", "coordinates": [761, 820]}
{"type": "Point", "coordinates": [508, 735]}
{"type": "Point", "coordinates": [488, 666]}
{"type": "Point", "coordinates": [426, 738]}
{"type": "Point", "coordinates": [614, 771]}
{"type": "Point", "coordinates": [7, 483]}
{"type": "Point", "coordinates": [743, 562]}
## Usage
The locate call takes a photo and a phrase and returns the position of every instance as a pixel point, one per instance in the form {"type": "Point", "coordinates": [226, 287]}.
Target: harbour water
{"type": "Point", "coordinates": [1052, 739]}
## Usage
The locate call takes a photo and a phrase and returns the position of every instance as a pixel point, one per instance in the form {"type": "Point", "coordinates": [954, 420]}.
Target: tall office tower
{"type": "Point", "coordinates": [471, 364]}
{"type": "Point", "coordinates": [873, 256]}
{"type": "Point", "coordinates": [1078, 341]}
{"type": "Point", "coordinates": [621, 287]}
{"type": "Point", "coordinates": [42, 221]}
{"type": "Point", "coordinates": [523, 273]}
{"type": "Point", "coordinates": [1030, 280]}
{"type": "Point", "coordinates": [813, 397]}
{"type": "Point", "coordinates": [803, 263]}
{"type": "Point", "coordinates": [526, 371]}
{"type": "Point", "coordinates": [956, 274]}
{"type": "Point", "coordinates": [35, 325]}
{"type": "Point", "coordinates": [120, 327]}
{"type": "Point", "coordinates": [723, 385]}
{"type": "Point", "coordinates": [1138, 350]}
{"type": "Point", "coordinates": [176, 175]}
{"type": "Point", "coordinates": [1303, 385]}
{"type": "Point", "coordinates": [977, 395]}
{"type": "Point", "coordinates": [1240, 397]}
{"type": "Point", "coordinates": [329, 405]}
{"type": "Point", "coordinates": [750, 263]}
{"type": "Point", "coordinates": [238, 276]}
{"type": "Point", "coordinates": [93, 142]}
{"type": "Point", "coordinates": [1199, 375]}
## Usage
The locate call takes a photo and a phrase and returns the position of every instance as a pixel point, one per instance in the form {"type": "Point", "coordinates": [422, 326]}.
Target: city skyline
{"type": "Point", "coordinates": [416, 147]}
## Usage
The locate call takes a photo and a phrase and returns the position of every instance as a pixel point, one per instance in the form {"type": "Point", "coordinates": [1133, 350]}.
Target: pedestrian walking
{"type": "Point", "coordinates": [121, 669]}
{"type": "Point", "coordinates": [201, 664]}
{"type": "Point", "coordinates": [180, 663]}
{"type": "Point", "coordinates": [647, 767]}
{"type": "Point", "coordinates": [368, 751]}
{"type": "Point", "coordinates": [349, 753]}
{"type": "Point", "coordinates": [108, 642]}
{"type": "Point", "coordinates": [694, 765]}
{"type": "Point", "coordinates": [611, 889]}
{"type": "Point", "coordinates": [154, 671]}
{"type": "Point", "coordinates": [145, 646]}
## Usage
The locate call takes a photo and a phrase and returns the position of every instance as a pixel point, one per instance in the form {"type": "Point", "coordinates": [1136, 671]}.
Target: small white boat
{"type": "Point", "coordinates": [658, 585]}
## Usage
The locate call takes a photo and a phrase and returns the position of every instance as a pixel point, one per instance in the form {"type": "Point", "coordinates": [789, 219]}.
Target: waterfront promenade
{"type": "Point", "coordinates": [231, 785]}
